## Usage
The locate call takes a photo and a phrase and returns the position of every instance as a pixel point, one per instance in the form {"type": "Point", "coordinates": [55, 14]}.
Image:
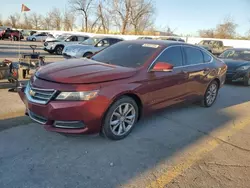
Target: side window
{"type": "Point", "coordinates": [113, 41]}
{"type": "Point", "coordinates": [103, 43]}
{"type": "Point", "coordinates": [80, 38]}
{"type": "Point", "coordinates": [193, 56]}
{"type": "Point", "coordinates": [207, 58]}
{"type": "Point", "coordinates": [173, 56]}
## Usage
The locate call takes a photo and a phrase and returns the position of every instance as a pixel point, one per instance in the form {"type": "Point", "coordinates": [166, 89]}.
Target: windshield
{"type": "Point", "coordinates": [62, 37]}
{"type": "Point", "coordinates": [91, 41]}
{"type": "Point", "coordinates": [236, 54]}
{"type": "Point", "coordinates": [126, 54]}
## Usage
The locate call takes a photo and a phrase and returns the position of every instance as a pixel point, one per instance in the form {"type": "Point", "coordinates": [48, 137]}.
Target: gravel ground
{"type": "Point", "coordinates": [186, 146]}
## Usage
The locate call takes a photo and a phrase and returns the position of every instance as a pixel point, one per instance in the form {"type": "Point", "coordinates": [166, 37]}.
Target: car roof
{"type": "Point", "coordinates": [163, 43]}
{"type": "Point", "coordinates": [239, 49]}
{"type": "Point", "coordinates": [107, 37]}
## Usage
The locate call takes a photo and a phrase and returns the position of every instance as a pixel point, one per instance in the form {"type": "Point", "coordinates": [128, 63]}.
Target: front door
{"type": "Point", "coordinates": [168, 88]}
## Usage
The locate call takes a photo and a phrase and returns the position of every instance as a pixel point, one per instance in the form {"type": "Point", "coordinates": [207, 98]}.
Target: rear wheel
{"type": "Point", "coordinates": [211, 94]}
{"type": "Point", "coordinates": [59, 50]}
{"type": "Point", "coordinates": [33, 39]}
{"type": "Point", "coordinates": [120, 119]}
{"type": "Point", "coordinates": [87, 54]}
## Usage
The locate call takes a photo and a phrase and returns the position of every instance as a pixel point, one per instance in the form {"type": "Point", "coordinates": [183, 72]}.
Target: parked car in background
{"type": "Point", "coordinates": [142, 38]}
{"type": "Point", "coordinates": [112, 90]}
{"type": "Point", "coordinates": [41, 37]}
{"type": "Point", "coordinates": [89, 47]}
{"type": "Point", "coordinates": [171, 38]}
{"type": "Point", "coordinates": [238, 62]}
{"type": "Point", "coordinates": [11, 34]}
{"type": "Point", "coordinates": [58, 44]}
{"type": "Point", "coordinates": [216, 47]}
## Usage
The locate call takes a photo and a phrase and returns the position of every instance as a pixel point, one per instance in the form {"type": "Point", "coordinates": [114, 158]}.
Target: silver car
{"type": "Point", "coordinates": [89, 47]}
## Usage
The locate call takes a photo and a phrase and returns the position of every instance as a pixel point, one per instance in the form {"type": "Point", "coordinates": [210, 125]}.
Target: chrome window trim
{"type": "Point", "coordinates": [181, 45]}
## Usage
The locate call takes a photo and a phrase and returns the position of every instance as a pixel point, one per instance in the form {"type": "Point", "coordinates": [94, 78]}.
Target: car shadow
{"type": "Point", "coordinates": [92, 161]}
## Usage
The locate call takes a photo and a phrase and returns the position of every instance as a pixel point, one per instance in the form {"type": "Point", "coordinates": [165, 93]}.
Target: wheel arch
{"type": "Point", "coordinates": [132, 95]}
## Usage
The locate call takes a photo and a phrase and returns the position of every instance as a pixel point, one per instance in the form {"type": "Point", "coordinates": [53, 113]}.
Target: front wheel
{"type": "Point", "coordinates": [59, 50]}
{"type": "Point", "coordinates": [33, 39]}
{"type": "Point", "coordinates": [87, 55]}
{"type": "Point", "coordinates": [211, 94]}
{"type": "Point", "coordinates": [120, 119]}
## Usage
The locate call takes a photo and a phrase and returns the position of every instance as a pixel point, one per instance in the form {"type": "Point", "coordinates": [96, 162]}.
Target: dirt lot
{"type": "Point", "coordinates": [186, 146]}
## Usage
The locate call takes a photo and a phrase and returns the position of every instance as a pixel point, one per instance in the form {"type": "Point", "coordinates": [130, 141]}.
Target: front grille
{"type": "Point", "coordinates": [38, 95]}
{"type": "Point", "coordinates": [37, 118]}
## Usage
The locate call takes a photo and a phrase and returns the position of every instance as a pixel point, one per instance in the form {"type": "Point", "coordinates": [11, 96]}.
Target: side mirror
{"type": "Point", "coordinates": [163, 66]}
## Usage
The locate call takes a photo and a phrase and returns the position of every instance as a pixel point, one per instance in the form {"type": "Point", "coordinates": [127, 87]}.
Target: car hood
{"type": "Point", "coordinates": [234, 64]}
{"type": "Point", "coordinates": [83, 71]}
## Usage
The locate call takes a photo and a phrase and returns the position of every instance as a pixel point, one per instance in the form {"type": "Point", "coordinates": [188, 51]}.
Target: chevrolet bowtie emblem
{"type": "Point", "coordinates": [32, 93]}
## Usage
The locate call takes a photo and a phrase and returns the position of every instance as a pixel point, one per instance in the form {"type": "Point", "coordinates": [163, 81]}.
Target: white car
{"type": "Point", "coordinates": [89, 47]}
{"type": "Point", "coordinates": [41, 37]}
{"type": "Point", "coordinates": [57, 45]}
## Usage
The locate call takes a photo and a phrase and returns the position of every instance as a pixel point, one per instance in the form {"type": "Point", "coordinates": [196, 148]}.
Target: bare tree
{"type": "Point", "coordinates": [1, 20]}
{"type": "Point", "coordinates": [83, 7]}
{"type": "Point", "coordinates": [226, 30]}
{"type": "Point", "coordinates": [103, 14]}
{"type": "Point", "coordinates": [14, 20]}
{"type": "Point", "coordinates": [56, 18]}
{"type": "Point", "coordinates": [46, 22]}
{"type": "Point", "coordinates": [141, 13]}
{"type": "Point", "coordinates": [121, 10]}
{"type": "Point", "coordinates": [27, 22]}
{"type": "Point", "coordinates": [207, 33]}
{"type": "Point", "coordinates": [69, 21]}
{"type": "Point", "coordinates": [35, 20]}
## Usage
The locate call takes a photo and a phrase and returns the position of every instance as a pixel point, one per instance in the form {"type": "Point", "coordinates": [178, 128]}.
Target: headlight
{"type": "Point", "coordinates": [77, 96]}
{"type": "Point", "coordinates": [243, 68]}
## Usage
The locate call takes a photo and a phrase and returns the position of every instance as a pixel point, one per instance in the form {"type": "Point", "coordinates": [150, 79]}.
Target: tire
{"type": "Point", "coordinates": [120, 123]}
{"type": "Point", "coordinates": [59, 50]}
{"type": "Point", "coordinates": [34, 39]}
{"type": "Point", "coordinates": [247, 80]}
{"type": "Point", "coordinates": [87, 54]}
{"type": "Point", "coordinates": [212, 91]}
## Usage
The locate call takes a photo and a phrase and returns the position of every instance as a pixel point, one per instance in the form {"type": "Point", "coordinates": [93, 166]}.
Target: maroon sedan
{"type": "Point", "coordinates": [109, 92]}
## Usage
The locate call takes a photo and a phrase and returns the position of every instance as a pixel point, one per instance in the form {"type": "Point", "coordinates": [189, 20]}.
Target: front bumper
{"type": "Point", "coordinates": [48, 49]}
{"type": "Point", "coordinates": [238, 76]}
{"type": "Point", "coordinates": [68, 56]}
{"type": "Point", "coordinates": [74, 117]}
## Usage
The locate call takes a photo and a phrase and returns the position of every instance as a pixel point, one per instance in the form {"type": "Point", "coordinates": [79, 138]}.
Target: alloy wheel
{"type": "Point", "coordinates": [122, 119]}
{"type": "Point", "coordinates": [59, 50]}
{"type": "Point", "coordinates": [211, 94]}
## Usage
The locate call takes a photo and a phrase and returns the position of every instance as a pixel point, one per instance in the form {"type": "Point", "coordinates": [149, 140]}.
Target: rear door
{"type": "Point", "coordinates": [197, 64]}
{"type": "Point", "coordinates": [167, 88]}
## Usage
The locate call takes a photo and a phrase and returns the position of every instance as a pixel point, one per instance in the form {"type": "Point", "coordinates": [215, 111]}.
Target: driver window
{"type": "Point", "coordinates": [103, 43]}
{"type": "Point", "coordinates": [172, 55]}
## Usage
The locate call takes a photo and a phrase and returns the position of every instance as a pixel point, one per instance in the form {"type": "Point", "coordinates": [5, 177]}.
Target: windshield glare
{"type": "Point", "coordinates": [126, 54]}
{"type": "Point", "coordinates": [236, 54]}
